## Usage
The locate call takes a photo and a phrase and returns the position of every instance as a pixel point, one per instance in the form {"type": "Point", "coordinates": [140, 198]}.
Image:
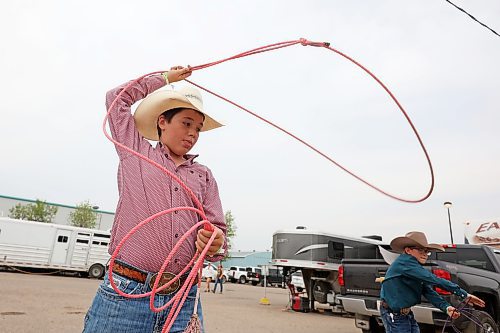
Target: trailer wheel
{"type": "Point", "coordinates": [320, 291]}
{"type": "Point", "coordinates": [96, 271]}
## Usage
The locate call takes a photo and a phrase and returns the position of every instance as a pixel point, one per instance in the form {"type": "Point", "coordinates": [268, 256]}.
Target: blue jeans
{"type": "Point", "coordinates": [218, 281]}
{"type": "Point", "coordinates": [112, 313]}
{"type": "Point", "coordinates": [398, 323]}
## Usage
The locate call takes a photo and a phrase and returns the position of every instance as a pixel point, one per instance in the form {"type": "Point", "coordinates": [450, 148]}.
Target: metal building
{"type": "Point", "coordinates": [245, 259]}
{"type": "Point", "coordinates": [104, 218]}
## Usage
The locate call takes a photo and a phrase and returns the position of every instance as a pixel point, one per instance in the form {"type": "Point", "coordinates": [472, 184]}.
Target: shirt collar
{"type": "Point", "coordinates": [409, 257]}
{"type": "Point", "coordinates": [165, 151]}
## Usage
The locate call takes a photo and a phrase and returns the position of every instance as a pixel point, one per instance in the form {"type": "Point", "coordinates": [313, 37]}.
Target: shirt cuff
{"type": "Point", "coordinates": [462, 294]}
{"type": "Point", "coordinates": [445, 308]}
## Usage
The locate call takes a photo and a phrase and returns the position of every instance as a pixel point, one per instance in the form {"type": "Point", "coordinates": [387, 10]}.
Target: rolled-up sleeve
{"type": "Point", "coordinates": [121, 121]}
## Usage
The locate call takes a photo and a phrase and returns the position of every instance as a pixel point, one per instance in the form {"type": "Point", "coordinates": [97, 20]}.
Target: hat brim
{"type": "Point", "coordinates": [399, 244]}
{"type": "Point", "coordinates": [148, 111]}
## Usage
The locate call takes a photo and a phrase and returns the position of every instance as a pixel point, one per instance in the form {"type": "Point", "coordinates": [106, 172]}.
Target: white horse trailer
{"type": "Point", "coordinates": [53, 246]}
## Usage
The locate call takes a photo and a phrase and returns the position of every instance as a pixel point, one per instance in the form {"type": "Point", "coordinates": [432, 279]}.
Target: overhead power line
{"type": "Point", "coordinates": [472, 17]}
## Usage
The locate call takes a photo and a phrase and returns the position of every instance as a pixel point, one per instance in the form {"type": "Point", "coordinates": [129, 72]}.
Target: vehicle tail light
{"type": "Point", "coordinates": [444, 274]}
{"type": "Point", "coordinates": [341, 276]}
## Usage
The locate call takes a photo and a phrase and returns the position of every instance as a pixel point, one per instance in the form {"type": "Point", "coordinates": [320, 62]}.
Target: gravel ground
{"type": "Point", "coordinates": [46, 303]}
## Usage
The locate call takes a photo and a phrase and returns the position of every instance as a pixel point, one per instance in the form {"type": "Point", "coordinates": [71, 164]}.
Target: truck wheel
{"type": "Point", "coordinates": [254, 283]}
{"type": "Point", "coordinates": [243, 279]}
{"type": "Point", "coordinates": [223, 279]}
{"type": "Point", "coordinates": [96, 271]}
{"type": "Point", "coordinates": [374, 327]}
{"type": "Point", "coordinates": [375, 330]}
{"type": "Point", "coordinates": [488, 324]}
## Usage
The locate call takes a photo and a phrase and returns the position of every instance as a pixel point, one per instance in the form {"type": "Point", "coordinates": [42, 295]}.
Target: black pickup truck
{"type": "Point", "coordinates": [475, 268]}
{"type": "Point", "coordinates": [273, 277]}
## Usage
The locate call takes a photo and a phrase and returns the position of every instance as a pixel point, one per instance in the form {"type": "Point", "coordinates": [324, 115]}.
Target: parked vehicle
{"type": "Point", "coordinates": [205, 273]}
{"type": "Point", "coordinates": [273, 276]}
{"type": "Point", "coordinates": [298, 281]}
{"type": "Point", "coordinates": [53, 246]}
{"type": "Point", "coordinates": [254, 275]}
{"type": "Point", "coordinates": [238, 274]}
{"type": "Point", "coordinates": [225, 275]}
{"type": "Point", "coordinates": [209, 270]}
{"type": "Point", "coordinates": [318, 255]}
{"type": "Point", "coordinates": [475, 268]}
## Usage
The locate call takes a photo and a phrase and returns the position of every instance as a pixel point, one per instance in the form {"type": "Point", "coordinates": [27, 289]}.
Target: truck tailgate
{"type": "Point", "coordinates": [360, 275]}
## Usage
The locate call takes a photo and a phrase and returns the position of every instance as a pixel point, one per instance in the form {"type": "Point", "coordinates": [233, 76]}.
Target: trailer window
{"type": "Point", "coordinates": [95, 243]}
{"type": "Point", "coordinates": [84, 241]}
{"type": "Point", "coordinates": [335, 250]}
{"type": "Point", "coordinates": [62, 239]}
{"type": "Point", "coordinates": [83, 234]}
{"type": "Point", "coordinates": [102, 235]}
{"type": "Point", "coordinates": [104, 243]}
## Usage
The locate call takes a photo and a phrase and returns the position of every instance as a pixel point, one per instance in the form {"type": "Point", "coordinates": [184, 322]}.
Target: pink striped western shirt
{"type": "Point", "coordinates": [145, 190]}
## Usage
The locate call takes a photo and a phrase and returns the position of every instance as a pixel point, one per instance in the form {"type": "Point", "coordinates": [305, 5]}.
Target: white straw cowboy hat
{"type": "Point", "coordinates": [413, 239]}
{"type": "Point", "coordinates": [147, 113]}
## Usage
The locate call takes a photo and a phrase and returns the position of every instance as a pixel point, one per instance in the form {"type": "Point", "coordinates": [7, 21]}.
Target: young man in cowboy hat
{"type": "Point", "coordinates": [175, 118]}
{"type": "Point", "coordinates": [406, 281]}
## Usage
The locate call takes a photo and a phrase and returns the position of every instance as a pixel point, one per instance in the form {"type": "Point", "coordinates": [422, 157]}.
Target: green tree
{"type": "Point", "coordinates": [231, 228]}
{"type": "Point", "coordinates": [83, 216]}
{"type": "Point", "coordinates": [39, 211]}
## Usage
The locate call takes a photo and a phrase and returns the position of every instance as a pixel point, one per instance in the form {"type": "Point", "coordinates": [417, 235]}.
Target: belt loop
{"type": "Point", "coordinates": [147, 288]}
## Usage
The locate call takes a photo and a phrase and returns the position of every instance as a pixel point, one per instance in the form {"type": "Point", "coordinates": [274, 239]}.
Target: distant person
{"type": "Point", "coordinates": [219, 277]}
{"type": "Point", "coordinates": [175, 119]}
{"type": "Point", "coordinates": [209, 276]}
{"type": "Point", "coordinates": [406, 281]}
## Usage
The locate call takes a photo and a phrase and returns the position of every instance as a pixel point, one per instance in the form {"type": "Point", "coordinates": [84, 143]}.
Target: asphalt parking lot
{"type": "Point", "coordinates": [45, 303]}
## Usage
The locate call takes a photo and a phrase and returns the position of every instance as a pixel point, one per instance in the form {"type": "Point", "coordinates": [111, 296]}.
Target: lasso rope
{"type": "Point", "coordinates": [469, 313]}
{"type": "Point", "coordinates": [197, 261]}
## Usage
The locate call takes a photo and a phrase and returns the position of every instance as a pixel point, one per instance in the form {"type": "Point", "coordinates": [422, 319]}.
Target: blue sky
{"type": "Point", "coordinates": [59, 58]}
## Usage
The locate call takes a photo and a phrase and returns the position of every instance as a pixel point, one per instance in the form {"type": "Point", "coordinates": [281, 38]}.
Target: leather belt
{"type": "Point", "coordinates": [130, 272]}
{"type": "Point", "coordinates": [403, 311]}
{"type": "Point", "coordinates": [140, 276]}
